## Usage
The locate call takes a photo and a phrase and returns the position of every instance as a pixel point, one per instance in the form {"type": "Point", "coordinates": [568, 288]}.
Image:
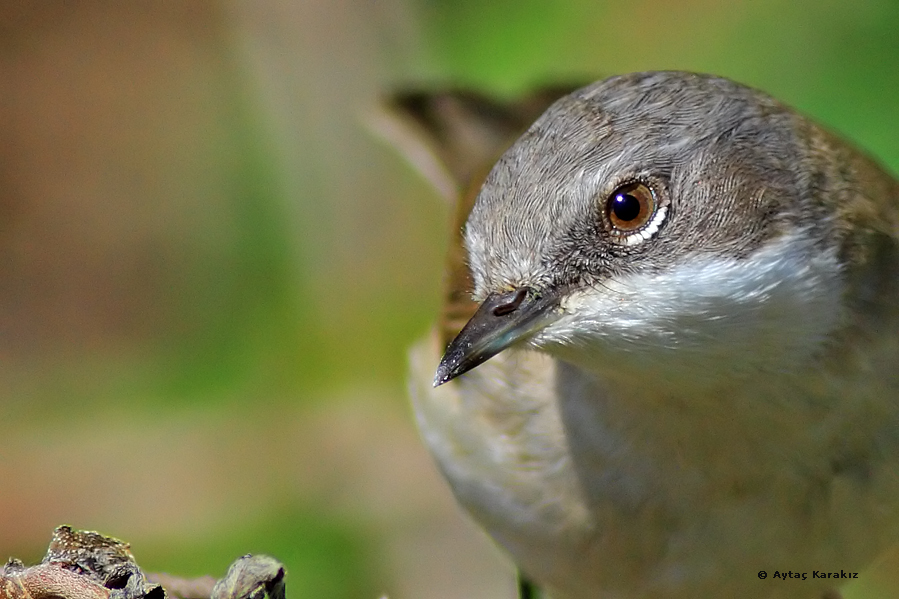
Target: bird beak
{"type": "Point", "coordinates": [502, 320]}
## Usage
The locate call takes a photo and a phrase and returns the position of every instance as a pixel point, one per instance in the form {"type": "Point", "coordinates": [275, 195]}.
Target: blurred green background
{"type": "Point", "coordinates": [210, 271]}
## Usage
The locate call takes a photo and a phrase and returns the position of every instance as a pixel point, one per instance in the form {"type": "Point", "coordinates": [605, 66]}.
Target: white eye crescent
{"type": "Point", "coordinates": [633, 214]}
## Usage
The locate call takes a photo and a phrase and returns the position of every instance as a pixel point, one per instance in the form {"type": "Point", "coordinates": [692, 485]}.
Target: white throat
{"type": "Point", "coordinates": [707, 320]}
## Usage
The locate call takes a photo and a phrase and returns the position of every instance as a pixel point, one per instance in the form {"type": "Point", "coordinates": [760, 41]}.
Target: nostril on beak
{"type": "Point", "coordinates": [511, 305]}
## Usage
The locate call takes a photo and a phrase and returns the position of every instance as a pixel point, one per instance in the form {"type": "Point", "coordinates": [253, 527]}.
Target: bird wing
{"type": "Point", "coordinates": [453, 137]}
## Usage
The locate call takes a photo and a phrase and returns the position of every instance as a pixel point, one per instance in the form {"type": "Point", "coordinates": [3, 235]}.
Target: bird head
{"type": "Point", "coordinates": [658, 223]}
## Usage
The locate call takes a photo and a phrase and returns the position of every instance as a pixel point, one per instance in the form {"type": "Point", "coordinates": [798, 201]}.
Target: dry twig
{"type": "Point", "coordinates": [88, 565]}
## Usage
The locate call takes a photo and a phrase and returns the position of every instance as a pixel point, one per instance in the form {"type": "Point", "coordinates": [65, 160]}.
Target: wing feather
{"type": "Point", "coordinates": [453, 137]}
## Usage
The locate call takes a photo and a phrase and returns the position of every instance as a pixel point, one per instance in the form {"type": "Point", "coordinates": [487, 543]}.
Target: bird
{"type": "Point", "coordinates": [668, 361]}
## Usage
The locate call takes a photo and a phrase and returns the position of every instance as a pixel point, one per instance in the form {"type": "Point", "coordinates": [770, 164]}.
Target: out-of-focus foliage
{"type": "Point", "coordinates": [210, 271]}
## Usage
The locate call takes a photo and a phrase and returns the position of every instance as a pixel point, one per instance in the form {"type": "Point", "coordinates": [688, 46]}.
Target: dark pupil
{"type": "Point", "coordinates": [625, 207]}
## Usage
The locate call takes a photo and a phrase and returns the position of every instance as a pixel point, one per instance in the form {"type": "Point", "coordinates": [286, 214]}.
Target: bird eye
{"type": "Point", "coordinates": [633, 213]}
{"type": "Point", "coordinates": [630, 207]}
